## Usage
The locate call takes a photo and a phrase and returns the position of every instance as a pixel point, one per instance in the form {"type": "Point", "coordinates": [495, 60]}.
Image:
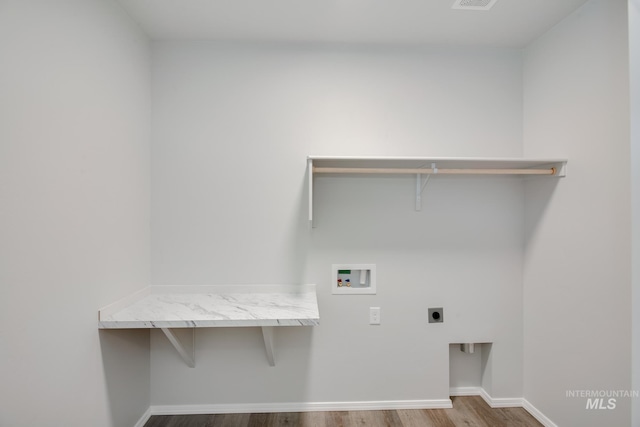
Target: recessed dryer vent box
{"type": "Point", "coordinates": [353, 279]}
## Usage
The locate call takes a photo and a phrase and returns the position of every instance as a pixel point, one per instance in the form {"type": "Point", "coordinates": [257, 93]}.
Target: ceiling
{"type": "Point", "coordinates": [510, 23]}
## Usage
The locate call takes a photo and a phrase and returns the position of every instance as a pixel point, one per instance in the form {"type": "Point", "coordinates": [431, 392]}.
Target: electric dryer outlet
{"type": "Point", "coordinates": [436, 315]}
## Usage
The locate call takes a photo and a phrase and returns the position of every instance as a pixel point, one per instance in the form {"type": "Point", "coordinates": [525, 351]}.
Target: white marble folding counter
{"type": "Point", "coordinates": [167, 307]}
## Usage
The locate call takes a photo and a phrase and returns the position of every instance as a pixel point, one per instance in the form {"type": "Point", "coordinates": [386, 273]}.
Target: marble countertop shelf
{"type": "Point", "coordinates": [213, 306]}
{"type": "Point", "coordinates": [168, 307]}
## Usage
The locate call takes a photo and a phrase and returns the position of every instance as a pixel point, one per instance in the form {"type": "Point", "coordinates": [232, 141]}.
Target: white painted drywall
{"type": "Point", "coordinates": [74, 212]}
{"type": "Point", "coordinates": [577, 283]}
{"type": "Point", "coordinates": [634, 73]}
{"type": "Point", "coordinates": [232, 126]}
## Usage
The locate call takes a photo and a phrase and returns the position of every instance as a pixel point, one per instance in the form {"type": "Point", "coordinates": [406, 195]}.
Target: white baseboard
{"type": "Point", "coordinates": [236, 408]}
{"type": "Point", "coordinates": [144, 418]}
{"type": "Point", "coordinates": [542, 418]}
{"type": "Point", "coordinates": [465, 391]}
{"type": "Point", "coordinates": [493, 402]}
{"type": "Point", "coordinates": [516, 402]}
{"type": "Point", "coordinates": [502, 402]}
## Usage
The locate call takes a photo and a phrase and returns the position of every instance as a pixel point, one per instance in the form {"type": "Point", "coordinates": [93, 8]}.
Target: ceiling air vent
{"type": "Point", "coordinates": [473, 4]}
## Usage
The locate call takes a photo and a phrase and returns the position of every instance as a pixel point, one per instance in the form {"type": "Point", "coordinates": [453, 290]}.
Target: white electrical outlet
{"type": "Point", "coordinates": [374, 315]}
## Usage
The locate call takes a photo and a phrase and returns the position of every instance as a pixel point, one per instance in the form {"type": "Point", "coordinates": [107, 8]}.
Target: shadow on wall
{"type": "Point", "coordinates": [231, 367]}
{"type": "Point", "coordinates": [474, 213]}
{"type": "Point", "coordinates": [537, 196]}
{"type": "Point", "coordinates": [298, 236]}
{"type": "Point", "coordinates": [126, 363]}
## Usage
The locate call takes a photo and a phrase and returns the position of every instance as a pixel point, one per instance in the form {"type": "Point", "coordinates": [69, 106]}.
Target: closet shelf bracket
{"type": "Point", "coordinates": [420, 186]}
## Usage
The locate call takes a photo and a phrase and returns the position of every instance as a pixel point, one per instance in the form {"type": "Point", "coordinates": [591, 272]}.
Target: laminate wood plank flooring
{"type": "Point", "coordinates": [468, 411]}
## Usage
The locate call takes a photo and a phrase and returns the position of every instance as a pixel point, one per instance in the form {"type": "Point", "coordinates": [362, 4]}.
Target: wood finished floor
{"type": "Point", "coordinates": [469, 411]}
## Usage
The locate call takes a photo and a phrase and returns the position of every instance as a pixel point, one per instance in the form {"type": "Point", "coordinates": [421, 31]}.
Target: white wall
{"type": "Point", "coordinates": [74, 212]}
{"type": "Point", "coordinates": [634, 58]}
{"type": "Point", "coordinates": [232, 127]}
{"type": "Point", "coordinates": [577, 311]}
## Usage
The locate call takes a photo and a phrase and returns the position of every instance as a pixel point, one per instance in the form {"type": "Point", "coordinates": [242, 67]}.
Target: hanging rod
{"type": "Point", "coordinates": [436, 171]}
